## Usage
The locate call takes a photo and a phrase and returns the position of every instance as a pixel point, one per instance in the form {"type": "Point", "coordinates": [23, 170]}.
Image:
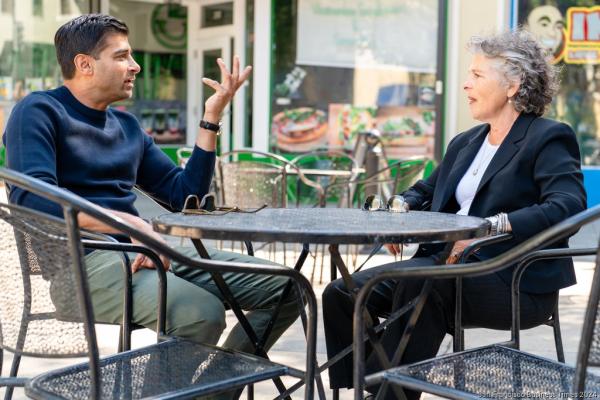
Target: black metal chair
{"type": "Point", "coordinates": [539, 255]}
{"type": "Point", "coordinates": [391, 180]}
{"type": "Point", "coordinates": [333, 170]}
{"type": "Point", "coordinates": [249, 179]}
{"type": "Point", "coordinates": [497, 370]}
{"type": "Point", "coordinates": [172, 368]}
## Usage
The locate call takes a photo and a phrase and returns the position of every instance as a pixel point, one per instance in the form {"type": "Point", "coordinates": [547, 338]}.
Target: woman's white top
{"type": "Point", "coordinates": [465, 191]}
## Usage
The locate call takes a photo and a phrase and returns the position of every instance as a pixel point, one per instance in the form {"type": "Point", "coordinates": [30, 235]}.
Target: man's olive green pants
{"type": "Point", "coordinates": [195, 308]}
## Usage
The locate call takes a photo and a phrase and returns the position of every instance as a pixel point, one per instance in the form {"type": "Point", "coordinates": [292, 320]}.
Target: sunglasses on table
{"type": "Point", "coordinates": [396, 203]}
{"type": "Point", "coordinates": [207, 206]}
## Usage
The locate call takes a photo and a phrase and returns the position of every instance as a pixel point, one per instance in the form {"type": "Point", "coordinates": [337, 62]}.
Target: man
{"type": "Point", "coordinates": [70, 137]}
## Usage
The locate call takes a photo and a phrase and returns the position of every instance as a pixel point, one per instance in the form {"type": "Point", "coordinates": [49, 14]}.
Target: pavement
{"type": "Point", "coordinates": [290, 348]}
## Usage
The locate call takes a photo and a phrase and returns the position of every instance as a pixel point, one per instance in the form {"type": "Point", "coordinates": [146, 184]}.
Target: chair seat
{"type": "Point", "coordinates": [492, 372]}
{"type": "Point", "coordinates": [169, 369]}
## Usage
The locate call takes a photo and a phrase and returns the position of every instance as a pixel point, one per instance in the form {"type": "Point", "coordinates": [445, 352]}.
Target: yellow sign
{"type": "Point", "coordinates": [582, 36]}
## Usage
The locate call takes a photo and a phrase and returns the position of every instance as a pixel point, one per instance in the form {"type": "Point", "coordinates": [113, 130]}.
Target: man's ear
{"type": "Point", "coordinates": [84, 64]}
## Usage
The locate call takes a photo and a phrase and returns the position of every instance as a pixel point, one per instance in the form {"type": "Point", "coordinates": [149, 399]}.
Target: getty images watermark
{"type": "Point", "coordinates": [561, 395]}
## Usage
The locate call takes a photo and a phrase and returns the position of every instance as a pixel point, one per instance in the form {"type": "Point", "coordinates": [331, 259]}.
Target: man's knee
{"type": "Point", "coordinates": [200, 322]}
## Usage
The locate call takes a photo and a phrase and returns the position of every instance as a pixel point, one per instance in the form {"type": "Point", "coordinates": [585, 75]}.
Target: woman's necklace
{"type": "Point", "coordinates": [483, 156]}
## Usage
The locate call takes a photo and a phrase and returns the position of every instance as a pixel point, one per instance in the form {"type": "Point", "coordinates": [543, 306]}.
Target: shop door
{"type": "Point", "coordinates": [205, 53]}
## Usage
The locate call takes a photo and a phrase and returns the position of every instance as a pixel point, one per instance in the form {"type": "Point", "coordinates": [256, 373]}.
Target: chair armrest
{"type": "Point", "coordinates": [545, 254]}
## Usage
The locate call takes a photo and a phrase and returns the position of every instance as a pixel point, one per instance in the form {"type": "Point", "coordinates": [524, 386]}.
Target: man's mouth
{"type": "Point", "coordinates": [471, 100]}
{"type": "Point", "coordinates": [129, 82]}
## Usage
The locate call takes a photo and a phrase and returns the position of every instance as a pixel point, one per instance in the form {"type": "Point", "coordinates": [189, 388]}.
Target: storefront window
{"type": "Point", "coordinates": [570, 29]}
{"type": "Point", "coordinates": [27, 56]}
{"type": "Point", "coordinates": [158, 35]}
{"type": "Point", "coordinates": [342, 67]}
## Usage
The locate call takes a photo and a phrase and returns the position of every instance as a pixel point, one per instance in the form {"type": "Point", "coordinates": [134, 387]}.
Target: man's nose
{"type": "Point", "coordinates": [135, 67]}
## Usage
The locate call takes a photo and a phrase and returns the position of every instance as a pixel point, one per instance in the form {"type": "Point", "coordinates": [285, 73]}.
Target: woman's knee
{"type": "Point", "coordinates": [334, 290]}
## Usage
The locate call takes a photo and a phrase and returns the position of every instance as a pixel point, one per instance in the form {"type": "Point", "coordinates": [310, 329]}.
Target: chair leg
{"type": "Point", "coordinates": [560, 354]}
{"type": "Point", "coordinates": [14, 370]}
{"type": "Point", "coordinates": [323, 250]}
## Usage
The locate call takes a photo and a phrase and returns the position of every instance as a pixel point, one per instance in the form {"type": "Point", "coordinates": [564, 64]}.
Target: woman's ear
{"type": "Point", "coordinates": [84, 64]}
{"type": "Point", "coordinates": [513, 88]}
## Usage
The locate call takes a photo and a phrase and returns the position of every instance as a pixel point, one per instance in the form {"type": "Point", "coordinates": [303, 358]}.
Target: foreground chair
{"type": "Point", "coordinates": [526, 262]}
{"type": "Point", "coordinates": [172, 368]}
{"type": "Point", "coordinates": [494, 371]}
{"type": "Point", "coordinates": [23, 277]}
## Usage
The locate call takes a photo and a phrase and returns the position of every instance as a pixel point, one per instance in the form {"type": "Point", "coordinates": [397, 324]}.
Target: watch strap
{"type": "Point", "coordinates": [210, 126]}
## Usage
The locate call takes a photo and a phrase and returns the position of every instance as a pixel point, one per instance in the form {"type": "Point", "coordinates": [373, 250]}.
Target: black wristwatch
{"type": "Point", "coordinates": [216, 128]}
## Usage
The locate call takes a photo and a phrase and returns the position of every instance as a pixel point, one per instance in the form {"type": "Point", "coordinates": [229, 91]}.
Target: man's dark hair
{"type": "Point", "coordinates": [85, 34]}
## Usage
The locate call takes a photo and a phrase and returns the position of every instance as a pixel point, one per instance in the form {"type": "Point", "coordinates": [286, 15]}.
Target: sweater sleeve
{"type": "Point", "coordinates": [170, 184]}
{"type": "Point", "coordinates": [30, 141]}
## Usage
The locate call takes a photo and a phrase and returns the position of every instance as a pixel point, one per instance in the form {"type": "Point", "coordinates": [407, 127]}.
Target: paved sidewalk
{"type": "Point", "coordinates": [290, 349]}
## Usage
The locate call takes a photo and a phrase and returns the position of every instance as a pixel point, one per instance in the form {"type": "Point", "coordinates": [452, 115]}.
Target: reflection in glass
{"type": "Point", "coordinates": [341, 68]}
{"type": "Point", "coordinates": [159, 99]}
{"type": "Point", "coordinates": [27, 56]}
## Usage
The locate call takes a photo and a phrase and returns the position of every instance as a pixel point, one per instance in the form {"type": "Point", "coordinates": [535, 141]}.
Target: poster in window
{"type": "Point", "coordinates": [570, 30]}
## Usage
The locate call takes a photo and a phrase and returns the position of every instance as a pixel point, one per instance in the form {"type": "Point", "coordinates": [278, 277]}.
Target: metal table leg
{"type": "Point", "coordinates": [416, 306]}
{"type": "Point", "coordinates": [235, 307]}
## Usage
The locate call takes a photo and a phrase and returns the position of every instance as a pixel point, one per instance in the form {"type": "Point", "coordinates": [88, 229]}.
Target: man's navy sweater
{"type": "Point", "coordinates": [98, 155]}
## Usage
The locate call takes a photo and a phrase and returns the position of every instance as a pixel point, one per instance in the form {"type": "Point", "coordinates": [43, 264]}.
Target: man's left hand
{"type": "Point", "coordinates": [224, 91]}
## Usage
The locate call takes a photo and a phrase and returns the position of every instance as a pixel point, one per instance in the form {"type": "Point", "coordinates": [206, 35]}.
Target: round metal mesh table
{"type": "Point", "coordinates": [324, 225]}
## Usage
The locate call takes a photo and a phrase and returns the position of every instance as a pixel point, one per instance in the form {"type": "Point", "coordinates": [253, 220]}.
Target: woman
{"type": "Point", "coordinates": [517, 169]}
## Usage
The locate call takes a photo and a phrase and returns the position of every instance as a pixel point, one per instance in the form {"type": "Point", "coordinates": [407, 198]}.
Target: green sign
{"type": "Point", "coordinates": [169, 25]}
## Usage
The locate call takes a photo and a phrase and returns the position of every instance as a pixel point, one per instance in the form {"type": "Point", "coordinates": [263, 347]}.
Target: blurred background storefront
{"type": "Point", "coordinates": [324, 70]}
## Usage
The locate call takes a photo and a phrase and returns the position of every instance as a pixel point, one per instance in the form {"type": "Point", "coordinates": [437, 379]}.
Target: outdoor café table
{"type": "Point", "coordinates": [332, 226]}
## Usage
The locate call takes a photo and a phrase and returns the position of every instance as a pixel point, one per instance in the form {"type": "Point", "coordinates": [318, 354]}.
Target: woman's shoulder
{"type": "Point", "coordinates": [551, 126]}
{"type": "Point", "coordinates": [546, 129]}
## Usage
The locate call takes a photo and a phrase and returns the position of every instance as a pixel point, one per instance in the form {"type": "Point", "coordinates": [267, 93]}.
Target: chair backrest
{"type": "Point", "coordinates": [337, 187]}
{"type": "Point", "coordinates": [183, 155]}
{"type": "Point", "coordinates": [248, 178]}
{"type": "Point", "coordinates": [391, 180]}
{"type": "Point", "coordinates": [38, 291]}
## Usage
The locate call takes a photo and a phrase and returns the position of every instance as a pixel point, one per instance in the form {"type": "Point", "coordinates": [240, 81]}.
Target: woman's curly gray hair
{"type": "Point", "coordinates": [523, 60]}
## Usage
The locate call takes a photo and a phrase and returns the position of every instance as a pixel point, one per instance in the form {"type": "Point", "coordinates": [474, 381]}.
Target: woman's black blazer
{"type": "Point", "coordinates": [535, 177]}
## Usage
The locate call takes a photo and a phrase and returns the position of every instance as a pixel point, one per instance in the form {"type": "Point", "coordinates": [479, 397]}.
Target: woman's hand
{"type": "Point", "coordinates": [457, 250]}
{"type": "Point", "coordinates": [394, 248]}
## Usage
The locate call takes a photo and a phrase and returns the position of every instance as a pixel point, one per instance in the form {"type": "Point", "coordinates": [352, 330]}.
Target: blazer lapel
{"type": "Point", "coordinates": [463, 160]}
{"type": "Point", "coordinates": [508, 148]}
